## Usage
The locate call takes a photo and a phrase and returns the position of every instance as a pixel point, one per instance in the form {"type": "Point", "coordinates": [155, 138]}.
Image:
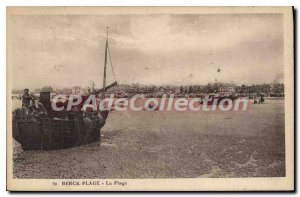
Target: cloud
{"type": "Point", "coordinates": [185, 49]}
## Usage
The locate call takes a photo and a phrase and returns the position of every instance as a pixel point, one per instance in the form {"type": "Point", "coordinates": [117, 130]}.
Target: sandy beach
{"type": "Point", "coordinates": [171, 145]}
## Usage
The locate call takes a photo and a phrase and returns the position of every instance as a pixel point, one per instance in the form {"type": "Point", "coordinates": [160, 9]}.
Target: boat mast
{"type": "Point", "coordinates": [105, 62]}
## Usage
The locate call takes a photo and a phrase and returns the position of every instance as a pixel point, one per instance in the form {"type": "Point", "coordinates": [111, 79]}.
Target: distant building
{"type": "Point", "coordinates": [47, 89]}
{"type": "Point", "coordinates": [17, 91]}
{"type": "Point", "coordinates": [161, 89]}
{"type": "Point", "coordinates": [37, 91]}
{"type": "Point", "coordinates": [152, 89]}
{"type": "Point", "coordinates": [230, 89]}
{"type": "Point", "coordinates": [77, 90]}
{"type": "Point", "coordinates": [63, 91]}
{"type": "Point", "coordinates": [226, 89]}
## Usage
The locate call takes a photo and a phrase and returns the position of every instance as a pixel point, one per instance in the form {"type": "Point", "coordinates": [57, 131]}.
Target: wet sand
{"type": "Point", "coordinates": [171, 145]}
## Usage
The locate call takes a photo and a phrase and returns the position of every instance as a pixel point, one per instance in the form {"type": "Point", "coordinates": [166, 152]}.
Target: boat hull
{"type": "Point", "coordinates": [46, 133]}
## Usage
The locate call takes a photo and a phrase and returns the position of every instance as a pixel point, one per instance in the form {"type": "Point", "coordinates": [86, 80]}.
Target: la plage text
{"type": "Point", "coordinates": [94, 183]}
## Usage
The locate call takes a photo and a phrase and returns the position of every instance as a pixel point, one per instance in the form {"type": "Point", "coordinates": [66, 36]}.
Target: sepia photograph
{"type": "Point", "coordinates": [150, 99]}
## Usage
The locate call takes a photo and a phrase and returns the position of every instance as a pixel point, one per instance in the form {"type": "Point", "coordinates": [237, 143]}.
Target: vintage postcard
{"type": "Point", "coordinates": [150, 99]}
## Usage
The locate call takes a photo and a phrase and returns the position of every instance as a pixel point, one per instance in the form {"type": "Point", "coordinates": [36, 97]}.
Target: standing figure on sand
{"type": "Point", "coordinates": [260, 101]}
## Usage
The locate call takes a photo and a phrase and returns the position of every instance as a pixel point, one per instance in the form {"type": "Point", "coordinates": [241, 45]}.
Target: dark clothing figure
{"type": "Point", "coordinates": [26, 98]}
{"type": "Point", "coordinates": [261, 100]}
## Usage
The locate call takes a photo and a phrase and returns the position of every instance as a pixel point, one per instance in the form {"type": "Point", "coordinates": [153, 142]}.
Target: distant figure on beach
{"type": "Point", "coordinates": [26, 98]}
{"type": "Point", "coordinates": [261, 100]}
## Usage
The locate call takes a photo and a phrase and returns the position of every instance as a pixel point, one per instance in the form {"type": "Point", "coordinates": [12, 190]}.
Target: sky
{"type": "Point", "coordinates": [158, 49]}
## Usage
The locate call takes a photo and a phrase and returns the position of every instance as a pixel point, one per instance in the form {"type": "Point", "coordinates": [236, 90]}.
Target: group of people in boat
{"type": "Point", "coordinates": [29, 101]}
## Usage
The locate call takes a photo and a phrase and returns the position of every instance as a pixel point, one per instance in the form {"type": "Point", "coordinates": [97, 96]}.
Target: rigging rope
{"type": "Point", "coordinates": [112, 68]}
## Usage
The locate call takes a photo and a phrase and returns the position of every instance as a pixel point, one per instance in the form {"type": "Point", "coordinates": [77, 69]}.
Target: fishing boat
{"type": "Point", "coordinates": [44, 129]}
